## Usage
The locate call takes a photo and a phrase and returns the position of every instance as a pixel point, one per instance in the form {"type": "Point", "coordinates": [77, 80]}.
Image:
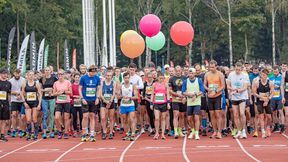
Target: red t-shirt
{"type": "Point", "coordinates": [75, 91]}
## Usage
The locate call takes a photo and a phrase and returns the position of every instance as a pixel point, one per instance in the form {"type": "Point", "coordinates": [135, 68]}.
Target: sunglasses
{"type": "Point", "coordinates": [60, 74]}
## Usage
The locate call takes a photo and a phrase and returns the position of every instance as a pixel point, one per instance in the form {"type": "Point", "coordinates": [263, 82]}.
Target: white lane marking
{"type": "Point", "coordinates": [42, 150]}
{"type": "Point", "coordinates": [184, 150]}
{"type": "Point", "coordinates": [94, 149]}
{"type": "Point", "coordinates": [247, 153]}
{"type": "Point", "coordinates": [284, 135]}
{"type": "Point", "coordinates": [11, 152]}
{"type": "Point", "coordinates": [269, 145]}
{"type": "Point", "coordinates": [156, 148]}
{"type": "Point", "coordinates": [127, 148]}
{"type": "Point", "coordinates": [217, 146]}
{"type": "Point", "coordinates": [68, 151]}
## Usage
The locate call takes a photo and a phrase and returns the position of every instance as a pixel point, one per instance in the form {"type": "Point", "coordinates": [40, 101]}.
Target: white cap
{"type": "Point", "coordinates": [192, 70]}
{"type": "Point", "coordinates": [166, 66]}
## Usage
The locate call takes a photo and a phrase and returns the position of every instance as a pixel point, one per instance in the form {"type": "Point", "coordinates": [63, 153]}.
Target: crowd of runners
{"type": "Point", "coordinates": [212, 100]}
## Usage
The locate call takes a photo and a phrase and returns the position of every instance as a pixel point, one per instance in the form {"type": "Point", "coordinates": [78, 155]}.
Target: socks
{"type": "Point", "coordinates": [204, 123]}
{"type": "Point", "coordinates": [36, 129]}
{"type": "Point", "coordinates": [29, 128]}
{"type": "Point", "coordinates": [193, 130]}
{"type": "Point", "coordinates": [92, 133]}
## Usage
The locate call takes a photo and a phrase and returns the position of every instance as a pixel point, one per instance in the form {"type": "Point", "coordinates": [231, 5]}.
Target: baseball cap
{"type": "Point", "coordinates": [166, 66]}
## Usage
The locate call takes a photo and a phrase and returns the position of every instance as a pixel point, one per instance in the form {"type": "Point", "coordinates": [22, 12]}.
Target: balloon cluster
{"type": "Point", "coordinates": [132, 44]}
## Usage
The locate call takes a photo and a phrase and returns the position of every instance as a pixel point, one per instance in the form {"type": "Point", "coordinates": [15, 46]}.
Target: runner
{"type": "Point", "coordinates": [32, 96]}
{"type": "Point", "coordinates": [128, 95]}
{"type": "Point", "coordinates": [107, 108]}
{"type": "Point", "coordinates": [5, 93]}
{"type": "Point", "coordinates": [48, 102]}
{"type": "Point", "coordinates": [263, 90]}
{"type": "Point", "coordinates": [89, 92]}
{"type": "Point", "coordinates": [277, 101]}
{"type": "Point", "coordinates": [83, 69]}
{"type": "Point", "coordinates": [285, 87]}
{"type": "Point", "coordinates": [193, 89]}
{"type": "Point", "coordinates": [147, 92]}
{"type": "Point", "coordinates": [237, 84]}
{"type": "Point", "coordinates": [179, 109]}
{"type": "Point", "coordinates": [16, 101]}
{"type": "Point", "coordinates": [160, 96]}
{"type": "Point", "coordinates": [214, 84]}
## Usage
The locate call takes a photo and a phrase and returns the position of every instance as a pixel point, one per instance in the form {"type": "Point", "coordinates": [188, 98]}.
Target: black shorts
{"type": "Point", "coordinates": [230, 104]}
{"type": "Point", "coordinates": [263, 109]}
{"type": "Point", "coordinates": [248, 103]}
{"type": "Point", "coordinates": [32, 104]}
{"type": "Point", "coordinates": [4, 112]}
{"type": "Point", "coordinates": [16, 106]}
{"type": "Point", "coordinates": [179, 106]}
{"type": "Point", "coordinates": [204, 103]}
{"type": "Point", "coordinates": [276, 105]}
{"type": "Point", "coordinates": [143, 102]}
{"type": "Point", "coordinates": [161, 107]}
{"type": "Point", "coordinates": [286, 97]}
{"type": "Point", "coordinates": [136, 104]}
{"type": "Point", "coordinates": [112, 106]}
{"type": "Point", "coordinates": [90, 107]}
{"type": "Point", "coordinates": [63, 107]}
{"type": "Point", "coordinates": [214, 103]}
{"type": "Point", "coordinates": [237, 102]}
{"type": "Point", "coordinates": [193, 110]}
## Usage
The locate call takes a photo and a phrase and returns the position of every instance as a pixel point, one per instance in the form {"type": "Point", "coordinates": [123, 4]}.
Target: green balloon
{"type": "Point", "coordinates": [157, 42]}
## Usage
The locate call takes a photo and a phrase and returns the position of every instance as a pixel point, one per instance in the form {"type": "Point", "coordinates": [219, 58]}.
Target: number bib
{"type": "Point", "coordinates": [148, 90]}
{"type": "Point", "coordinates": [3, 95]}
{"type": "Point", "coordinates": [159, 97]}
{"type": "Point", "coordinates": [46, 93]}
{"type": "Point", "coordinates": [62, 98]}
{"type": "Point", "coordinates": [263, 95]}
{"type": "Point", "coordinates": [126, 101]}
{"type": "Point", "coordinates": [31, 96]}
{"type": "Point", "coordinates": [77, 103]}
{"type": "Point", "coordinates": [276, 94]}
{"type": "Point", "coordinates": [213, 87]}
{"type": "Point", "coordinates": [107, 97]}
{"type": "Point", "coordinates": [90, 92]}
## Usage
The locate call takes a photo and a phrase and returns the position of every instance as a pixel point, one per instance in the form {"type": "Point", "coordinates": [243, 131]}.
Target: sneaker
{"type": "Point", "coordinates": [24, 134]}
{"type": "Point", "coordinates": [52, 135]}
{"type": "Point", "coordinates": [121, 130]}
{"type": "Point", "coordinates": [176, 135]}
{"type": "Point", "coordinates": [3, 139]}
{"type": "Point", "coordinates": [255, 134]}
{"type": "Point", "coordinates": [204, 133]}
{"type": "Point", "coordinates": [191, 135]}
{"type": "Point", "coordinates": [60, 135]}
{"type": "Point", "coordinates": [118, 128]}
{"type": "Point", "coordinates": [142, 131]}
{"type": "Point", "coordinates": [234, 131]}
{"type": "Point", "coordinates": [44, 136]}
{"type": "Point", "coordinates": [104, 136]}
{"type": "Point", "coordinates": [132, 138]}
{"type": "Point", "coordinates": [268, 132]}
{"type": "Point", "coordinates": [70, 133]}
{"type": "Point", "coordinates": [166, 132]}
{"type": "Point", "coordinates": [213, 135]}
{"type": "Point", "coordinates": [92, 139]}
{"type": "Point", "coordinates": [146, 127]}
{"type": "Point", "coordinates": [163, 137]}
{"type": "Point", "coordinates": [239, 133]}
{"type": "Point", "coordinates": [197, 136]}
{"type": "Point", "coordinates": [276, 128]}
{"type": "Point", "coordinates": [223, 132]}
{"type": "Point", "coordinates": [83, 138]}
{"type": "Point", "coordinates": [28, 137]}
{"type": "Point", "coordinates": [152, 133]}
{"type": "Point", "coordinates": [66, 136]}
{"type": "Point", "coordinates": [13, 135]}
{"type": "Point", "coordinates": [110, 136]}
{"type": "Point", "coordinates": [171, 133]}
{"type": "Point", "coordinates": [125, 137]}
{"type": "Point", "coordinates": [218, 136]}
{"type": "Point", "coordinates": [244, 135]}
{"type": "Point", "coordinates": [282, 129]}
{"type": "Point", "coordinates": [35, 138]}
{"type": "Point", "coordinates": [264, 135]}
{"type": "Point", "coordinates": [8, 132]}
{"type": "Point", "coordinates": [210, 129]}
{"type": "Point", "coordinates": [181, 133]}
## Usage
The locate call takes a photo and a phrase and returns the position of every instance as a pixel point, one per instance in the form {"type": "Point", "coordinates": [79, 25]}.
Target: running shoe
{"type": "Point", "coordinates": [32, 135]}
{"type": "Point", "coordinates": [197, 136]}
{"type": "Point", "coordinates": [44, 136]}
{"type": "Point", "coordinates": [8, 132]}
{"type": "Point", "coordinates": [35, 138]}
{"type": "Point", "coordinates": [191, 135]}
{"type": "Point", "coordinates": [176, 135]}
{"type": "Point", "coordinates": [104, 136]}
{"type": "Point", "coordinates": [180, 133]}
{"type": "Point", "coordinates": [166, 131]}
{"type": "Point", "coordinates": [163, 137]}
{"type": "Point", "coordinates": [239, 133]}
{"type": "Point", "coordinates": [110, 136]}
{"type": "Point", "coordinates": [156, 137]}
{"type": "Point", "coordinates": [70, 133]}
{"type": "Point", "coordinates": [125, 137]}
{"type": "Point", "coordinates": [264, 135]}
{"type": "Point", "coordinates": [276, 128]}
{"type": "Point", "coordinates": [234, 131]}
{"type": "Point", "coordinates": [132, 138]}
{"type": "Point", "coordinates": [218, 136]}
{"type": "Point", "coordinates": [146, 127]}
{"type": "Point", "coordinates": [223, 132]}
{"type": "Point", "coordinates": [118, 128]}
{"type": "Point", "coordinates": [60, 135]}
{"type": "Point", "coordinates": [52, 135]}
{"type": "Point", "coordinates": [204, 133]}
{"type": "Point", "coordinates": [184, 131]}
{"type": "Point", "coordinates": [3, 139]}
{"type": "Point", "coordinates": [171, 133]}
{"type": "Point", "coordinates": [66, 136]}
{"type": "Point", "coordinates": [244, 135]}
{"type": "Point", "coordinates": [83, 138]}
{"type": "Point", "coordinates": [282, 130]}
{"type": "Point", "coordinates": [28, 137]}
{"type": "Point", "coordinates": [142, 131]}
{"type": "Point", "coordinates": [152, 133]}
{"type": "Point", "coordinates": [13, 134]}
{"type": "Point", "coordinates": [268, 132]}
{"type": "Point", "coordinates": [210, 129]}
{"type": "Point", "coordinates": [213, 135]}
{"type": "Point", "coordinates": [255, 134]}
{"type": "Point", "coordinates": [121, 130]}
{"type": "Point", "coordinates": [92, 139]}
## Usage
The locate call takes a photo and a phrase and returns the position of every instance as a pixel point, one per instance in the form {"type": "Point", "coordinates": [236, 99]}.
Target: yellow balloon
{"type": "Point", "coordinates": [125, 33]}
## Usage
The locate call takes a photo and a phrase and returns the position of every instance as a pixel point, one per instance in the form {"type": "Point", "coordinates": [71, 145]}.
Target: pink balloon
{"type": "Point", "coordinates": [182, 33]}
{"type": "Point", "coordinates": [150, 25]}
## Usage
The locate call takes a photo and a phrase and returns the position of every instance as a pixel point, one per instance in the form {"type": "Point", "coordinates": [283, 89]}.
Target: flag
{"type": "Point", "coordinates": [22, 54]}
{"type": "Point", "coordinates": [46, 56]}
{"type": "Point", "coordinates": [10, 42]}
{"type": "Point", "coordinates": [187, 63]}
{"type": "Point", "coordinates": [40, 55]}
{"type": "Point", "coordinates": [74, 58]}
{"type": "Point", "coordinates": [171, 64]}
{"type": "Point", "coordinates": [66, 56]}
{"type": "Point", "coordinates": [33, 52]}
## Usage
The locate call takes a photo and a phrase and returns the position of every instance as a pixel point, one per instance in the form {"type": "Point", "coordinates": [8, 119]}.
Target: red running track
{"type": "Point", "coordinates": [145, 148]}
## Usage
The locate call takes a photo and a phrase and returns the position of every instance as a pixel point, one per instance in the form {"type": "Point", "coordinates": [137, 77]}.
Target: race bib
{"type": "Point", "coordinates": [47, 90]}
{"type": "Point", "coordinates": [237, 85]}
{"type": "Point", "coordinates": [148, 90]}
{"type": "Point", "coordinates": [107, 97]}
{"type": "Point", "coordinates": [159, 97]}
{"type": "Point", "coordinates": [31, 96]}
{"type": "Point", "coordinates": [90, 92]}
{"type": "Point", "coordinates": [3, 95]}
{"type": "Point", "coordinates": [276, 93]}
{"type": "Point", "coordinates": [178, 92]}
{"type": "Point", "coordinates": [77, 103]}
{"type": "Point", "coordinates": [127, 101]}
{"type": "Point", "coordinates": [62, 98]}
{"type": "Point", "coordinates": [263, 95]}
{"type": "Point", "coordinates": [213, 87]}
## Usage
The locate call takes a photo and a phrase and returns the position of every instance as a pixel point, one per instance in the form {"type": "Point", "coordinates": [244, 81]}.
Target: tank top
{"type": "Point", "coordinates": [193, 88]}
{"type": "Point", "coordinates": [160, 93]}
{"type": "Point", "coordinates": [31, 93]}
{"type": "Point", "coordinates": [127, 91]}
{"type": "Point", "coordinates": [214, 82]}
{"type": "Point", "coordinates": [263, 90]}
{"type": "Point", "coordinates": [107, 90]}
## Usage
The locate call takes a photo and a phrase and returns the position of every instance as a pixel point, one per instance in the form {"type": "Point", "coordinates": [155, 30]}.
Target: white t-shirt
{"type": "Point", "coordinates": [16, 87]}
{"type": "Point", "coordinates": [238, 81]}
{"type": "Point", "coordinates": [137, 81]}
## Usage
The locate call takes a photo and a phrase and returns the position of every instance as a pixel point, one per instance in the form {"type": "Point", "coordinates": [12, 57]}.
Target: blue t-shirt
{"type": "Point", "coordinates": [277, 83]}
{"type": "Point", "coordinates": [252, 76]}
{"type": "Point", "coordinates": [89, 87]}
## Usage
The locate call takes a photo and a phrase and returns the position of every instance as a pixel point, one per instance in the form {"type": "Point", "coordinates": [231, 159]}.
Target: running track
{"type": "Point", "coordinates": [145, 149]}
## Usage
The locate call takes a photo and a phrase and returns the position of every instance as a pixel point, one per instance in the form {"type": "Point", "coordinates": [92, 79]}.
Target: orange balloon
{"type": "Point", "coordinates": [132, 45]}
{"type": "Point", "coordinates": [126, 32]}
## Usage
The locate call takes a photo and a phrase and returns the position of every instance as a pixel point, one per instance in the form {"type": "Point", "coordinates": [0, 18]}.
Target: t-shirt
{"type": "Point", "coordinates": [5, 90]}
{"type": "Point", "coordinates": [62, 86]}
{"type": "Point", "coordinates": [176, 84]}
{"type": "Point", "coordinates": [89, 87]}
{"type": "Point", "coordinates": [16, 87]}
{"type": "Point", "coordinates": [277, 80]}
{"type": "Point", "coordinates": [48, 83]}
{"type": "Point", "coordinates": [137, 81]}
{"type": "Point", "coordinates": [237, 81]}
{"type": "Point", "coordinates": [75, 92]}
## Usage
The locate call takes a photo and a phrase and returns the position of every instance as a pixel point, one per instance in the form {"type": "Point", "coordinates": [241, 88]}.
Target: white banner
{"type": "Point", "coordinates": [22, 54]}
{"type": "Point", "coordinates": [40, 55]}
